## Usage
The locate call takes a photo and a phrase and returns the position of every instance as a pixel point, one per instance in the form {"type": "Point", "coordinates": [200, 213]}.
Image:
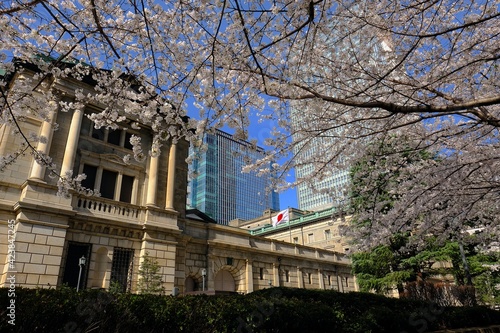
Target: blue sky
{"type": "Point", "coordinates": [261, 132]}
{"type": "Point", "coordinates": [288, 199]}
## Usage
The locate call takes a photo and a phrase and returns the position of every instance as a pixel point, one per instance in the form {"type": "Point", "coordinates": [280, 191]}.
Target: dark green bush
{"type": "Point", "coordinates": [270, 310]}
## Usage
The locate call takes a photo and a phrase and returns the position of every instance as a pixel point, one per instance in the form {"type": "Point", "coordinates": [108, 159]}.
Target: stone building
{"type": "Point", "coordinates": [318, 229]}
{"type": "Point", "coordinates": [141, 210]}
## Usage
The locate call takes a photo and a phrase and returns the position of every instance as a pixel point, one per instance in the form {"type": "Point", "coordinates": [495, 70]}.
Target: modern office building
{"type": "Point", "coordinates": [317, 134]}
{"type": "Point", "coordinates": [317, 193]}
{"type": "Point", "coordinates": [220, 189]}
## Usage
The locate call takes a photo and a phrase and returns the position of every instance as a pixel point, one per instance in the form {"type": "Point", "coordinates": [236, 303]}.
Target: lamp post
{"type": "Point", "coordinates": [203, 275]}
{"type": "Point", "coordinates": [81, 263]}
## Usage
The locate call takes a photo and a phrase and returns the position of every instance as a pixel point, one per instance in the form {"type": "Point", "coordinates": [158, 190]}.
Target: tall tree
{"type": "Point", "coordinates": [485, 268]}
{"type": "Point", "coordinates": [373, 185]}
{"type": "Point", "coordinates": [357, 70]}
{"type": "Point", "coordinates": [375, 190]}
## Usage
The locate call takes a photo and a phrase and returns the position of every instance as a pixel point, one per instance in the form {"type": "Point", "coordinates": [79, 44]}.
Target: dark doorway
{"type": "Point", "coordinates": [72, 267]}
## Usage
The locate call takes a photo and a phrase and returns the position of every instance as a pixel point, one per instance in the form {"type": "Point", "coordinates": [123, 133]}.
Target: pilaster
{"type": "Point", "coordinates": [321, 279]}
{"type": "Point", "coordinates": [249, 276]}
{"type": "Point", "coordinates": [300, 277]}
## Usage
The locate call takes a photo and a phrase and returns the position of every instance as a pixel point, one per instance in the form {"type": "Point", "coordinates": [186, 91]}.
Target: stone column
{"type": "Point", "coordinates": [171, 177]}
{"type": "Point", "coordinates": [4, 138]}
{"type": "Point", "coordinates": [118, 186]}
{"type": "Point", "coordinates": [38, 170]}
{"type": "Point", "coordinates": [72, 142]}
{"type": "Point", "coordinates": [123, 137]}
{"type": "Point", "coordinates": [98, 178]}
{"type": "Point", "coordinates": [133, 200]}
{"type": "Point", "coordinates": [153, 181]}
{"type": "Point", "coordinates": [249, 275]}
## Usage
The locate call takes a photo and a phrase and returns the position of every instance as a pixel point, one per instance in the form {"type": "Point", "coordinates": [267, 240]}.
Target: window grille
{"type": "Point", "coordinates": [122, 267]}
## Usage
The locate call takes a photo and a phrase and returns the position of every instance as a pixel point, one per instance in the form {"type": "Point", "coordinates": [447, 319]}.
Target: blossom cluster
{"type": "Point", "coordinates": [330, 76]}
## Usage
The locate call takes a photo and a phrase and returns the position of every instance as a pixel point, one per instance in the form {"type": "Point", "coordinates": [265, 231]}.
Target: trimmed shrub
{"type": "Point", "coordinates": [270, 310]}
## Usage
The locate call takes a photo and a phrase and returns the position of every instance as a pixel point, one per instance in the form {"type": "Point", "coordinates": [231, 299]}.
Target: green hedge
{"type": "Point", "coordinates": [270, 310]}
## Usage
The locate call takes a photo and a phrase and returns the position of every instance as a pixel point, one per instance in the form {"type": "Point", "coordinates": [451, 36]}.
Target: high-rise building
{"type": "Point", "coordinates": [220, 189]}
{"type": "Point", "coordinates": [317, 134]}
{"type": "Point", "coordinates": [322, 193]}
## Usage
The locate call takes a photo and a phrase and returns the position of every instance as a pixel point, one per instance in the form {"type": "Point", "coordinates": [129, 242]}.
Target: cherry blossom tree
{"type": "Point", "coordinates": [356, 71]}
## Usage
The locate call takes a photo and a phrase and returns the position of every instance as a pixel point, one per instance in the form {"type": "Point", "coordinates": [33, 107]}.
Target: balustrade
{"type": "Point", "coordinates": [100, 206]}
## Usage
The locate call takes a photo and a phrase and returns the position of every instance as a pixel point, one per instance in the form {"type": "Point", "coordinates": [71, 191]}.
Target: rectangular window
{"type": "Point", "coordinates": [328, 234]}
{"type": "Point", "coordinates": [108, 184]}
{"type": "Point", "coordinates": [117, 137]}
{"type": "Point", "coordinates": [91, 173]}
{"type": "Point", "coordinates": [121, 268]}
{"type": "Point", "coordinates": [114, 137]}
{"type": "Point", "coordinates": [309, 277]}
{"type": "Point", "coordinates": [107, 187]}
{"type": "Point", "coordinates": [261, 273]}
{"type": "Point", "coordinates": [310, 238]}
{"type": "Point", "coordinates": [287, 275]}
{"type": "Point", "coordinates": [126, 143]}
{"type": "Point", "coordinates": [126, 189]}
{"type": "Point", "coordinates": [98, 133]}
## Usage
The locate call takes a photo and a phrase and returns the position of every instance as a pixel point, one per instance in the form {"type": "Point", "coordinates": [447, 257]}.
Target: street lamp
{"type": "Point", "coordinates": [203, 275]}
{"type": "Point", "coordinates": [81, 263]}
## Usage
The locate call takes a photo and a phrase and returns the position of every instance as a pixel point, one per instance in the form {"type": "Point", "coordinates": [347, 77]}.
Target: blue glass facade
{"type": "Point", "coordinates": [321, 193]}
{"type": "Point", "coordinates": [219, 188]}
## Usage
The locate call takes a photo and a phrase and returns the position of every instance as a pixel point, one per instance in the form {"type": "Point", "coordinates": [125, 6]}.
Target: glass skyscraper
{"type": "Point", "coordinates": [219, 188]}
{"type": "Point", "coordinates": [318, 133]}
{"type": "Point", "coordinates": [317, 194]}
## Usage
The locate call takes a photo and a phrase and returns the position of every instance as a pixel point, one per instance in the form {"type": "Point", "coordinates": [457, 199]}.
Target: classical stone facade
{"type": "Point", "coordinates": [256, 262]}
{"type": "Point", "coordinates": [319, 229]}
{"type": "Point", "coordinates": [141, 210]}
